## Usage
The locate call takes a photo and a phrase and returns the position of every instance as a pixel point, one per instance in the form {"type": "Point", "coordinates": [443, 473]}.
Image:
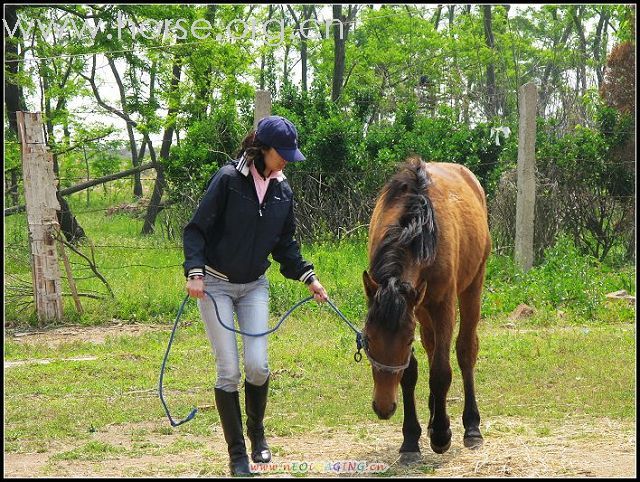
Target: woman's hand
{"type": "Point", "coordinates": [195, 287]}
{"type": "Point", "coordinates": [319, 293]}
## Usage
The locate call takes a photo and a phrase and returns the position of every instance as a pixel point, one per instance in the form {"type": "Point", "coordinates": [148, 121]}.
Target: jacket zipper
{"type": "Point", "coordinates": [266, 195]}
{"type": "Point", "coordinates": [255, 191]}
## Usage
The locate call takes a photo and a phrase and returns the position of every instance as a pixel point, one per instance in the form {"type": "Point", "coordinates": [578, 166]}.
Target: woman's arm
{"type": "Point", "coordinates": [194, 234]}
{"type": "Point", "coordinates": [292, 264]}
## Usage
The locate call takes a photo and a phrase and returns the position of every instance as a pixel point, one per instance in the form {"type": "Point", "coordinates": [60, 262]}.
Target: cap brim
{"type": "Point", "coordinates": [291, 155]}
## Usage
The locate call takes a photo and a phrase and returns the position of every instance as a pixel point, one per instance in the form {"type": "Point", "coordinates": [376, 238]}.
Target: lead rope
{"type": "Point", "coordinates": [357, 356]}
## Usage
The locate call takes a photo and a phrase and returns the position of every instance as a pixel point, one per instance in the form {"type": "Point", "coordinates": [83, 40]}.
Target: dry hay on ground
{"type": "Point", "coordinates": [578, 447]}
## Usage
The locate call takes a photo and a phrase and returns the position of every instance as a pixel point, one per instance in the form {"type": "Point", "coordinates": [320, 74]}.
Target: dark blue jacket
{"type": "Point", "coordinates": [231, 234]}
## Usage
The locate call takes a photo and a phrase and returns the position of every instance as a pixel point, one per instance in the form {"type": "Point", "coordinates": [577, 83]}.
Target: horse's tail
{"type": "Point", "coordinates": [417, 225]}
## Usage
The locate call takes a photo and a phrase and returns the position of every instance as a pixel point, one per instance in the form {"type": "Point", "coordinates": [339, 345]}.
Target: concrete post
{"type": "Point", "coordinates": [526, 199]}
{"type": "Point", "coordinates": [262, 106]}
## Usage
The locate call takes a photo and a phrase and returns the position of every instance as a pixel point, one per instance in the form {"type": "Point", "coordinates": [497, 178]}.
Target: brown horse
{"type": "Point", "coordinates": [428, 245]}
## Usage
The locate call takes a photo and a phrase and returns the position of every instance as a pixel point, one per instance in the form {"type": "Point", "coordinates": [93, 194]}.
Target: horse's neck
{"type": "Point", "coordinates": [381, 219]}
{"type": "Point", "coordinates": [410, 271]}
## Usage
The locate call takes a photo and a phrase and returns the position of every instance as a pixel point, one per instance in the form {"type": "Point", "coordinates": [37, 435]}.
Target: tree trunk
{"type": "Point", "coordinates": [264, 55]}
{"type": "Point", "coordinates": [551, 70]}
{"type": "Point", "coordinates": [306, 11]}
{"type": "Point", "coordinates": [137, 184]}
{"type": "Point", "coordinates": [205, 94]}
{"type": "Point", "coordinates": [69, 225]}
{"type": "Point", "coordinates": [338, 58]}
{"type": "Point", "coordinates": [492, 101]}
{"type": "Point", "coordinates": [14, 187]}
{"type": "Point", "coordinates": [597, 43]}
{"type": "Point", "coordinates": [339, 41]}
{"type": "Point", "coordinates": [13, 95]}
{"type": "Point", "coordinates": [285, 65]}
{"type": "Point", "coordinates": [436, 17]}
{"type": "Point", "coordinates": [158, 188]}
{"type": "Point", "coordinates": [576, 13]}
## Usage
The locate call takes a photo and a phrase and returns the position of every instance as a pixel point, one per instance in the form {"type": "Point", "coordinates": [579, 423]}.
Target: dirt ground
{"type": "Point", "coordinates": [578, 447]}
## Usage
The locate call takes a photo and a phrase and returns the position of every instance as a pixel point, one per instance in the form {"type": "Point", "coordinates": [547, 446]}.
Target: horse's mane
{"type": "Point", "coordinates": [412, 239]}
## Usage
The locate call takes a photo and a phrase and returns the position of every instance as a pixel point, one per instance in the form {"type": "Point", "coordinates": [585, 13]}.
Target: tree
{"type": "Point", "coordinates": [158, 188]}
{"type": "Point", "coordinates": [14, 55]}
{"type": "Point", "coordinates": [618, 91]}
{"type": "Point", "coordinates": [492, 93]}
{"type": "Point", "coordinates": [340, 35]}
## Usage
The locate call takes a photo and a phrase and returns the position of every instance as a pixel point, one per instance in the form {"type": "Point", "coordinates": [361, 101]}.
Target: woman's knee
{"type": "Point", "coordinates": [257, 372]}
{"type": "Point", "coordinates": [228, 374]}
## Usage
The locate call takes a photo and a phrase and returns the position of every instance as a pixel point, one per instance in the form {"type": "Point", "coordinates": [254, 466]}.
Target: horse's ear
{"type": "Point", "coordinates": [370, 286]}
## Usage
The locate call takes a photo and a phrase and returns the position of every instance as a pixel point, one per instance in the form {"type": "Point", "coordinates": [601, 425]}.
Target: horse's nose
{"type": "Point", "coordinates": [382, 415]}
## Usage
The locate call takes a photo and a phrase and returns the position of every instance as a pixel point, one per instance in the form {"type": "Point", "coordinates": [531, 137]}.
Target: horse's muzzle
{"type": "Point", "coordinates": [384, 415]}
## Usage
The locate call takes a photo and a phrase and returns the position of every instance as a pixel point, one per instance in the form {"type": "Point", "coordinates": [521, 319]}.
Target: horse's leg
{"type": "Point", "coordinates": [467, 353]}
{"type": "Point", "coordinates": [411, 429]}
{"type": "Point", "coordinates": [428, 342]}
{"type": "Point", "coordinates": [443, 318]}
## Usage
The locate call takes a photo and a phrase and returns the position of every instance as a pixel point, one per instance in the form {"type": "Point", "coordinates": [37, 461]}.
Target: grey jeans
{"type": "Point", "coordinates": [251, 304]}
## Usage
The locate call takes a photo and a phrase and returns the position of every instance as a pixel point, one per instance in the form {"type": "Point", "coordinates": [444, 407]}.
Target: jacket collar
{"type": "Point", "coordinates": [243, 167]}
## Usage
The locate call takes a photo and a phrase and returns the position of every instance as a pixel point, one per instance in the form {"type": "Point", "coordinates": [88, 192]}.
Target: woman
{"type": "Point", "coordinates": [245, 215]}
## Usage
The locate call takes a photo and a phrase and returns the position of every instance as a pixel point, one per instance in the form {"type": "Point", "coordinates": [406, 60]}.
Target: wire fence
{"type": "Point", "coordinates": [329, 206]}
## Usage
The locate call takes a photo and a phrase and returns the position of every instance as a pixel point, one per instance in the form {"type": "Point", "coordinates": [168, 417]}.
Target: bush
{"type": "Point", "coordinates": [567, 280]}
{"type": "Point", "coordinates": [334, 144]}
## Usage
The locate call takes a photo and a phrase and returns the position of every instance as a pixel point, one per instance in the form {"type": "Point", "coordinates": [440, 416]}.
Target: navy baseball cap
{"type": "Point", "coordinates": [277, 132]}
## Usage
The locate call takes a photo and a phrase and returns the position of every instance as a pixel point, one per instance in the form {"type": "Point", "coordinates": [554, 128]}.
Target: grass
{"type": "Point", "coordinates": [146, 276]}
{"type": "Point", "coordinates": [548, 374]}
{"type": "Point", "coordinates": [547, 368]}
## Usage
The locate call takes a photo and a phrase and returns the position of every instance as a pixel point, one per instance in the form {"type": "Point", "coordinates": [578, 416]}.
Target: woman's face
{"type": "Point", "coordinates": [273, 161]}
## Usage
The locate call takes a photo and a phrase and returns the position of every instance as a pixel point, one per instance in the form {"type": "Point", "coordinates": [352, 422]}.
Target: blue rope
{"type": "Point", "coordinates": [357, 355]}
{"type": "Point", "coordinates": [164, 362]}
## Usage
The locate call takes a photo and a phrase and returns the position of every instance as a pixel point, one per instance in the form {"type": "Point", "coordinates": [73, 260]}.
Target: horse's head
{"type": "Point", "coordinates": [388, 333]}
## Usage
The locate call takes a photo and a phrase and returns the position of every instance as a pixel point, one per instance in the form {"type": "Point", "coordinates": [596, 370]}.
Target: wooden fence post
{"type": "Point", "coordinates": [262, 106]}
{"type": "Point", "coordinates": [41, 204]}
{"type": "Point", "coordinates": [526, 198]}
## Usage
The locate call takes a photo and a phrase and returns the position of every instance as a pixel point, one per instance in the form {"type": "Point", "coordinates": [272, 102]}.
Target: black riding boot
{"type": "Point", "coordinates": [255, 403]}
{"type": "Point", "coordinates": [228, 404]}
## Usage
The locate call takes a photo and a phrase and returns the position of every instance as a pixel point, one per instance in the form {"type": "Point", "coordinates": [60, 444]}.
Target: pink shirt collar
{"type": "Point", "coordinates": [261, 183]}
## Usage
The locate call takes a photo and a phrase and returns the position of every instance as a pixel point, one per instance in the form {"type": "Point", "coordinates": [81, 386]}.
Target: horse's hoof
{"type": "Point", "coordinates": [473, 438]}
{"type": "Point", "coordinates": [440, 441]}
{"type": "Point", "coordinates": [473, 442]}
{"type": "Point", "coordinates": [440, 449]}
{"type": "Point", "coordinates": [407, 458]}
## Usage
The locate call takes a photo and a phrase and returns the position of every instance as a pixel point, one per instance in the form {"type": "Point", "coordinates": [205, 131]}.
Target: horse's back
{"type": "Point", "coordinates": [460, 204]}
{"type": "Point", "coordinates": [451, 178]}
